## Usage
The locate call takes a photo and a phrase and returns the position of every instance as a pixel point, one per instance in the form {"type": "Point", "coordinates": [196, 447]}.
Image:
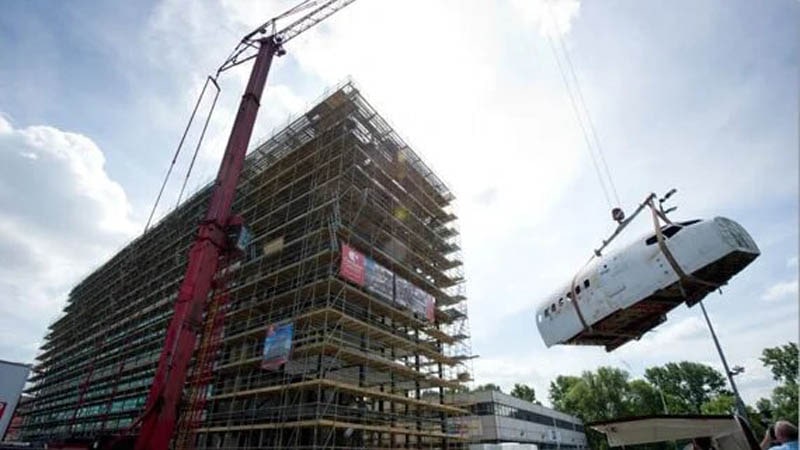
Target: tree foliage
{"type": "Point", "coordinates": [687, 385]}
{"type": "Point", "coordinates": [487, 387]}
{"type": "Point", "coordinates": [559, 389]}
{"type": "Point", "coordinates": [721, 404]}
{"type": "Point", "coordinates": [524, 392]}
{"type": "Point", "coordinates": [593, 396]}
{"type": "Point", "coordinates": [675, 388]}
{"type": "Point", "coordinates": [782, 362]}
{"type": "Point", "coordinates": [609, 393]}
{"type": "Point", "coordinates": [644, 398]}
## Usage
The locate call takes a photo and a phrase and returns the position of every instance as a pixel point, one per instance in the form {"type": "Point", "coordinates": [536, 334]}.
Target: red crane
{"type": "Point", "coordinates": [212, 242]}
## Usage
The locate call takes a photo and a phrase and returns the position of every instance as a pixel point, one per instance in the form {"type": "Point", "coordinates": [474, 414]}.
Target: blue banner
{"type": "Point", "coordinates": [402, 292]}
{"type": "Point", "coordinates": [277, 346]}
{"type": "Point", "coordinates": [379, 280]}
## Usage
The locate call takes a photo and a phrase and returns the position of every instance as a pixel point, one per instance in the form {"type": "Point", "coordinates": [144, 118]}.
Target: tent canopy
{"type": "Point", "coordinates": [726, 431]}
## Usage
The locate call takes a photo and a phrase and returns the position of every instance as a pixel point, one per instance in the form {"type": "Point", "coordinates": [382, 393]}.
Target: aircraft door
{"type": "Point", "coordinates": [611, 277]}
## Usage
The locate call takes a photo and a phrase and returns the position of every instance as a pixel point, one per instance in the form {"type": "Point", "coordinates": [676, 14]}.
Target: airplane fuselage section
{"type": "Point", "coordinates": [625, 293]}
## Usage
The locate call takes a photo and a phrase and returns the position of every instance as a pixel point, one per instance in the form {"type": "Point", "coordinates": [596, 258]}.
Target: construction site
{"type": "Point", "coordinates": [343, 324]}
{"type": "Point", "coordinates": [313, 297]}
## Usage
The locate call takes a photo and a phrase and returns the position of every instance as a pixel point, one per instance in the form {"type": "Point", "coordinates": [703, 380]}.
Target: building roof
{"type": "Point", "coordinates": [510, 400]}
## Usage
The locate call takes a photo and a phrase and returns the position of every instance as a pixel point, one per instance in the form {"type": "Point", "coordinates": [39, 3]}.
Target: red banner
{"type": "Point", "coordinates": [351, 266]}
{"type": "Point", "coordinates": [430, 308]}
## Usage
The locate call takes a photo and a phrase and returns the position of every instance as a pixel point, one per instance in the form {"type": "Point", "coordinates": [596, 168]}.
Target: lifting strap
{"type": "Point", "coordinates": [574, 294]}
{"type": "Point", "coordinates": [662, 245]}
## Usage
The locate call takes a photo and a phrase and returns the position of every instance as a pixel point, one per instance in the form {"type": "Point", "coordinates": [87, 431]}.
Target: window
{"type": "Point", "coordinates": [561, 302]}
{"type": "Point", "coordinates": [553, 307]}
{"type": "Point", "coordinates": [668, 232]}
{"type": "Point", "coordinates": [577, 289]}
{"type": "Point", "coordinates": [563, 424]}
{"type": "Point", "coordinates": [586, 283]}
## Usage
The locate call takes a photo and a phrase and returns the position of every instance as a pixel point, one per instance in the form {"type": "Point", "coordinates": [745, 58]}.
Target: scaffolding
{"type": "Point", "coordinates": [365, 366]}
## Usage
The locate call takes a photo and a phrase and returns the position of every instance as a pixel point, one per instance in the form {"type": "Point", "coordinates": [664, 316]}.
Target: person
{"type": "Point", "coordinates": [702, 443]}
{"type": "Point", "coordinates": [782, 432]}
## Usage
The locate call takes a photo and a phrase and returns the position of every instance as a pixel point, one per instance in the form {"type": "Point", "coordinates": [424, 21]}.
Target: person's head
{"type": "Point", "coordinates": [701, 443]}
{"type": "Point", "coordinates": [785, 431]}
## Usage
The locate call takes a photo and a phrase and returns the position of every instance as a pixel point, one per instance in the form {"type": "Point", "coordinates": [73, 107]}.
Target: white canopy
{"type": "Point", "coordinates": [725, 430]}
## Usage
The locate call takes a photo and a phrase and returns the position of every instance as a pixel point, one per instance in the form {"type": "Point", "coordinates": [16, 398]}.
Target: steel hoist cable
{"type": "Point", "coordinates": [578, 103]}
{"type": "Point", "coordinates": [180, 146]}
{"type": "Point", "coordinates": [200, 139]}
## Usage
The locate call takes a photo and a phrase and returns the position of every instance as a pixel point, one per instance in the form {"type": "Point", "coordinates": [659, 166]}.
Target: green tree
{"type": "Point", "coordinates": [524, 392]}
{"type": "Point", "coordinates": [764, 407]}
{"type": "Point", "coordinates": [721, 404]}
{"type": "Point", "coordinates": [644, 398]}
{"type": "Point", "coordinates": [593, 396]}
{"type": "Point", "coordinates": [559, 389]}
{"type": "Point", "coordinates": [487, 387]}
{"type": "Point", "coordinates": [687, 385]}
{"type": "Point", "coordinates": [782, 361]}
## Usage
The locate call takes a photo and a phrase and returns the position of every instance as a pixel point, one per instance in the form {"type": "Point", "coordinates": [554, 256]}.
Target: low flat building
{"type": "Point", "coordinates": [499, 418]}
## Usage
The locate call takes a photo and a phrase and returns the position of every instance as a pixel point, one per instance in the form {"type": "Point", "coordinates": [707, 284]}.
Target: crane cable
{"type": "Point", "coordinates": [579, 104]}
{"type": "Point", "coordinates": [180, 146]}
{"type": "Point", "coordinates": [200, 139]}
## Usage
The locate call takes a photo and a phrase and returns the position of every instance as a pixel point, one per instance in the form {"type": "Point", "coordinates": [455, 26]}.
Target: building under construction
{"type": "Point", "coordinates": [344, 324]}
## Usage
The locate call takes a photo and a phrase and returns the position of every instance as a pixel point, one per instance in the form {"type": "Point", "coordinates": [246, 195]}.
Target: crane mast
{"type": "Point", "coordinates": [211, 242]}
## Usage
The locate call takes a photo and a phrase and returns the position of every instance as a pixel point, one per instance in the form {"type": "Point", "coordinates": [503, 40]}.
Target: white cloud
{"type": "Point", "coordinates": [60, 214]}
{"type": "Point", "coordinates": [781, 290]}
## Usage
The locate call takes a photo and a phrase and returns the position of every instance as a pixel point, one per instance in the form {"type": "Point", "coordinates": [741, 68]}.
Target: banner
{"type": "Point", "coordinates": [419, 300]}
{"type": "Point", "coordinates": [379, 279]}
{"type": "Point", "coordinates": [277, 346]}
{"type": "Point", "coordinates": [430, 309]}
{"type": "Point", "coordinates": [351, 266]}
{"type": "Point", "coordinates": [402, 292]}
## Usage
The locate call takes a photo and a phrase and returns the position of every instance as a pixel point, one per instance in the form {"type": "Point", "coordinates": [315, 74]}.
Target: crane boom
{"type": "Point", "coordinates": [211, 242]}
{"type": "Point", "coordinates": [319, 14]}
{"type": "Point", "coordinates": [158, 420]}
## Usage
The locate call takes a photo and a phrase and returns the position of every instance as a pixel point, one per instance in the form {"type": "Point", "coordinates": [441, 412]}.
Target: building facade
{"type": "Point", "coordinates": [498, 418]}
{"type": "Point", "coordinates": [344, 325]}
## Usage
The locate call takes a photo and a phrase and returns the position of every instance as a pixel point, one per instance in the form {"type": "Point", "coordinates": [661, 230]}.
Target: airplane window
{"type": "Point", "coordinates": [668, 232]}
{"type": "Point", "coordinates": [577, 289]}
{"type": "Point", "coordinates": [672, 230]}
{"type": "Point", "coordinates": [569, 295]}
{"type": "Point", "coordinates": [586, 283]}
{"type": "Point", "coordinates": [553, 307]}
{"type": "Point", "coordinates": [561, 301]}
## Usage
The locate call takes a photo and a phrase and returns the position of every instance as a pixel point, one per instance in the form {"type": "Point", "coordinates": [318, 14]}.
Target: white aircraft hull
{"type": "Point", "coordinates": [626, 293]}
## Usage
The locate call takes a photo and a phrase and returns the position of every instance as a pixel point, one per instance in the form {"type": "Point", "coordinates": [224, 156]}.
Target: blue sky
{"type": "Point", "coordinates": [702, 96]}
